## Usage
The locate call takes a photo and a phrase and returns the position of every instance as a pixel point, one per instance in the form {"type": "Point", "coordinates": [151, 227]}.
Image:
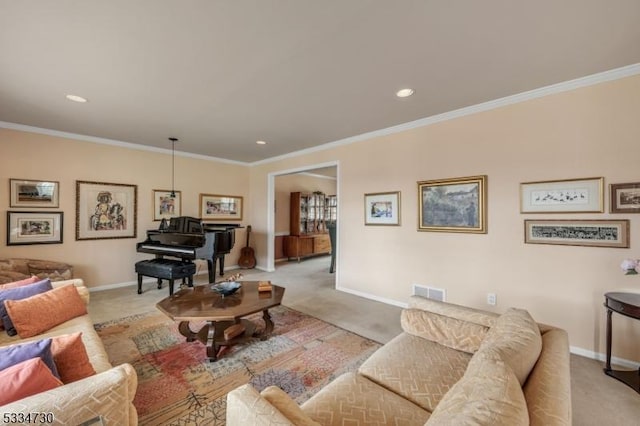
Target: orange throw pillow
{"type": "Point", "coordinates": [26, 281]}
{"type": "Point", "coordinates": [70, 357]}
{"type": "Point", "coordinates": [25, 379]}
{"type": "Point", "coordinates": [39, 313]}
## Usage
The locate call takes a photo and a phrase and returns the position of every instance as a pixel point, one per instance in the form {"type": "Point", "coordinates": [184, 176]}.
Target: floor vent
{"type": "Point", "coordinates": [438, 294]}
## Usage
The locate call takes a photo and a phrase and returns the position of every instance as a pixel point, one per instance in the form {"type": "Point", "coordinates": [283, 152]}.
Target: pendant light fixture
{"type": "Point", "coordinates": [173, 166]}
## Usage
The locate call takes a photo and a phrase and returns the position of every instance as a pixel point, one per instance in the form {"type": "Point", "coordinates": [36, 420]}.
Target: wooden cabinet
{"type": "Point", "coordinates": [307, 225]}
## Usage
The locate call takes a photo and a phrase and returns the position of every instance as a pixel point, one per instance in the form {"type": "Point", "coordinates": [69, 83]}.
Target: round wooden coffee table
{"type": "Point", "coordinates": [201, 303]}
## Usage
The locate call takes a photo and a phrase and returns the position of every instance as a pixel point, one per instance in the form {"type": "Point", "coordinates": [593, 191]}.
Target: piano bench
{"type": "Point", "coordinates": [165, 269]}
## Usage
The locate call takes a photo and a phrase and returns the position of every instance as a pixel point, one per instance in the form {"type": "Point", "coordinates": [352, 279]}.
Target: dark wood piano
{"type": "Point", "coordinates": [188, 238]}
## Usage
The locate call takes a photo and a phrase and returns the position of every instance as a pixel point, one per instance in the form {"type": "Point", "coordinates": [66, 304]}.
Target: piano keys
{"type": "Point", "coordinates": [188, 238]}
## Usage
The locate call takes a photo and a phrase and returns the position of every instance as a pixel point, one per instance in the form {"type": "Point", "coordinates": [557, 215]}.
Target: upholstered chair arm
{"type": "Point", "coordinates": [79, 283]}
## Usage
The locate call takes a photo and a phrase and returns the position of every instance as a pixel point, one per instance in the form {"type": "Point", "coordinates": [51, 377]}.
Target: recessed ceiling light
{"type": "Point", "coordinates": [261, 142]}
{"type": "Point", "coordinates": [403, 93]}
{"type": "Point", "coordinates": [76, 98]}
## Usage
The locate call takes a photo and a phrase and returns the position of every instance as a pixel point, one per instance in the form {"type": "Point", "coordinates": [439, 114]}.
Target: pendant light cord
{"type": "Point", "coordinates": [173, 166]}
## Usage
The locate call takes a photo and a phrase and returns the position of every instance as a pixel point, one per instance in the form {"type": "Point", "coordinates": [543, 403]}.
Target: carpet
{"type": "Point", "coordinates": [177, 385]}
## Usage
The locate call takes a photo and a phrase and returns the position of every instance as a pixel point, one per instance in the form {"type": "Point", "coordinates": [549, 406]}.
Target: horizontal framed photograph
{"type": "Point", "coordinates": [220, 207]}
{"type": "Point", "coordinates": [624, 197]}
{"type": "Point", "coordinates": [563, 196]}
{"type": "Point", "coordinates": [382, 208]}
{"type": "Point", "coordinates": [34, 228]}
{"type": "Point", "coordinates": [453, 205]}
{"type": "Point", "coordinates": [591, 233]}
{"type": "Point", "coordinates": [105, 210]}
{"type": "Point", "coordinates": [166, 204]}
{"type": "Point", "coordinates": [34, 193]}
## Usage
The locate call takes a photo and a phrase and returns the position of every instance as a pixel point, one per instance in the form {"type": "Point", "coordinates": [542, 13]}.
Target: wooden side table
{"type": "Point", "coordinates": [627, 304]}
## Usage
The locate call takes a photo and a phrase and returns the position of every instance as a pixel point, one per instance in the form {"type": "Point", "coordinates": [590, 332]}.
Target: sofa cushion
{"type": "Point", "coordinates": [515, 338]}
{"type": "Point", "coordinates": [417, 369]}
{"type": "Point", "coordinates": [452, 310]}
{"type": "Point", "coordinates": [19, 293]}
{"type": "Point", "coordinates": [25, 379]}
{"type": "Point", "coordinates": [15, 354]}
{"type": "Point", "coordinates": [287, 406]}
{"type": "Point", "coordinates": [351, 399]}
{"type": "Point", "coordinates": [488, 394]}
{"type": "Point", "coordinates": [450, 332]}
{"type": "Point", "coordinates": [70, 356]}
{"type": "Point", "coordinates": [33, 315]}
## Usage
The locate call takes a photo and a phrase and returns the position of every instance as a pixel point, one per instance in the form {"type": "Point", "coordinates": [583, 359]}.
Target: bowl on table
{"type": "Point", "coordinates": [226, 288]}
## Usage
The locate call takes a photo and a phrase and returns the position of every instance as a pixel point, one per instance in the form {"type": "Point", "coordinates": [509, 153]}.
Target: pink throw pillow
{"type": "Point", "coordinates": [25, 379]}
{"type": "Point", "coordinates": [14, 284]}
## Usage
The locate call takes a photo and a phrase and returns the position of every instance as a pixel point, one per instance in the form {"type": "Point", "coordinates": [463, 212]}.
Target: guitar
{"type": "Point", "coordinates": [247, 255]}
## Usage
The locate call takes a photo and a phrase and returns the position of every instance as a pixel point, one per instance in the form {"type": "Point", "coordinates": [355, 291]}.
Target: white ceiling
{"type": "Point", "coordinates": [220, 75]}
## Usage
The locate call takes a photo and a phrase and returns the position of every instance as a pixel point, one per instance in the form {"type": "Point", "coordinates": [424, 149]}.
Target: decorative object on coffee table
{"type": "Point", "coordinates": [226, 288]}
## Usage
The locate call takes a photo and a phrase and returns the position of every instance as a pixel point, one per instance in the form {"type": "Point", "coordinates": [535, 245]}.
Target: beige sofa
{"type": "Point", "coordinates": [14, 269]}
{"type": "Point", "coordinates": [452, 365]}
{"type": "Point", "coordinates": [107, 395]}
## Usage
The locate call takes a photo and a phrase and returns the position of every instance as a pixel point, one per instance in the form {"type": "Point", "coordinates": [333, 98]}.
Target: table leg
{"type": "Point", "coordinates": [608, 364]}
{"type": "Point", "coordinates": [185, 330]}
{"type": "Point", "coordinates": [212, 347]}
{"type": "Point", "coordinates": [268, 325]}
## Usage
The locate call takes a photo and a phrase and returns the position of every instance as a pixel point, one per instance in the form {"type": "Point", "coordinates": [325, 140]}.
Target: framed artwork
{"type": "Point", "coordinates": [165, 206]}
{"type": "Point", "coordinates": [33, 193]}
{"type": "Point", "coordinates": [563, 196]}
{"type": "Point", "coordinates": [624, 197]}
{"type": "Point", "coordinates": [592, 233]}
{"type": "Point", "coordinates": [105, 210]}
{"type": "Point", "coordinates": [453, 205]}
{"type": "Point", "coordinates": [34, 228]}
{"type": "Point", "coordinates": [220, 207]}
{"type": "Point", "coordinates": [382, 208]}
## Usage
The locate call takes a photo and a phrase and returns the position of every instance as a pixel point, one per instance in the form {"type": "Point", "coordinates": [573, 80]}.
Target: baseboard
{"type": "Point", "coordinates": [373, 297]}
{"type": "Point", "coordinates": [602, 357]}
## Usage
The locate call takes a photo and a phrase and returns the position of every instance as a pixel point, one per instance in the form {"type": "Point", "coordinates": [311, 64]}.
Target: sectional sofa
{"type": "Point", "coordinates": [452, 365]}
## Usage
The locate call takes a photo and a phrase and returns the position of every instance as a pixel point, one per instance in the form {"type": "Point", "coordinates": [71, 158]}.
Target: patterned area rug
{"type": "Point", "coordinates": [177, 385]}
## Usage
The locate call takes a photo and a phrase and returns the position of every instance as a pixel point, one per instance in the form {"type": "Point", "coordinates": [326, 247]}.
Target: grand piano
{"type": "Point", "coordinates": [188, 238]}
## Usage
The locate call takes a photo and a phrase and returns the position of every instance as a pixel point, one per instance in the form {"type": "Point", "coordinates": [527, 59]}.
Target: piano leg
{"type": "Point", "coordinates": [212, 270]}
{"type": "Point", "coordinates": [221, 265]}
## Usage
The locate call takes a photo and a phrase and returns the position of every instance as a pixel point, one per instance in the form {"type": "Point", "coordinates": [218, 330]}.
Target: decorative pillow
{"type": "Point", "coordinates": [287, 406]}
{"type": "Point", "coordinates": [15, 354]}
{"type": "Point", "coordinates": [488, 394]}
{"type": "Point", "coordinates": [450, 332]}
{"type": "Point", "coordinates": [19, 293]}
{"type": "Point", "coordinates": [25, 379]}
{"type": "Point", "coordinates": [26, 281]}
{"type": "Point", "coordinates": [71, 358]}
{"type": "Point", "coordinates": [36, 314]}
{"type": "Point", "coordinates": [516, 339]}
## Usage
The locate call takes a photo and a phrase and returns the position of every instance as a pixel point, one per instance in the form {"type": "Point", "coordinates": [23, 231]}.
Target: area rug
{"type": "Point", "coordinates": [177, 385]}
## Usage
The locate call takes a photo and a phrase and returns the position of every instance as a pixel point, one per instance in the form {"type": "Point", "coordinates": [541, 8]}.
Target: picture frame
{"type": "Point", "coordinates": [453, 205]}
{"type": "Point", "coordinates": [165, 206]}
{"type": "Point", "coordinates": [106, 210]}
{"type": "Point", "coordinates": [624, 197]}
{"type": "Point", "coordinates": [585, 195]}
{"type": "Point", "coordinates": [221, 207]}
{"type": "Point", "coordinates": [382, 208]}
{"type": "Point", "coordinates": [28, 193]}
{"type": "Point", "coordinates": [34, 227]}
{"type": "Point", "coordinates": [573, 232]}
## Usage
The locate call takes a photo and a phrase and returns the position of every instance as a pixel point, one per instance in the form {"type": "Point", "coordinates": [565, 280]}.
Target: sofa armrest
{"type": "Point", "coordinates": [108, 395]}
{"type": "Point", "coordinates": [452, 310]}
{"type": "Point", "coordinates": [83, 291]}
{"type": "Point", "coordinates": [245, 406]}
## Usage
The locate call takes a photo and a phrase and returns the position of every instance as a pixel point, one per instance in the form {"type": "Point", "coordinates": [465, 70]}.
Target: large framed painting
{"type": "Point", "coordinates": [33, 193]}
{"type": "Point", "coordinates": [34, 228]}
{"type": "Point", "coordinates": [382, 208]}
{"type": "Point", "coordinates": [563, 196]}
{"type": "Point", "coordinates": [453, 205]}
{"type": "Point", "coordinates": [166, 204]}
{"type": "Point", "coordinates": [105, 210]}
{"type": "Point", "coordinates": [624, 197]}
{"type": "Point", "coordinates": [591, 233]}
{"type": "Point", "coordinates": [220, 207]}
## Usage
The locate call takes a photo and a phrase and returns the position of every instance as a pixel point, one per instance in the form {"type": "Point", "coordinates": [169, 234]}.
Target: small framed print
{"type": "Point", "coordinates": [563, 196]}
{"type": "Point", "coordinates": [220, 207]}
{"type": "Point", "coordinates": [33, 193]}
{"type": "Point", "coordinates": [166, 204]}
{"type": "Point", "coordinates": [624, 197]}
{"type": "Point", "coordinates": [568, 232]}
{"type": "Point", "coordinates": [34, 228]}
{"type": "Point", "coordinates": [382, 208]}
{"type": "Point", "coordinates": [105, 210]}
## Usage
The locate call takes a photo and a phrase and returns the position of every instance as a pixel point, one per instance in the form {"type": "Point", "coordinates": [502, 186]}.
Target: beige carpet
{"type": "Point", "coordinates": [597, 399]}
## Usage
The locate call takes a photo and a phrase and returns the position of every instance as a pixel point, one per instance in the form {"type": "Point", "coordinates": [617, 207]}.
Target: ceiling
{"type": "Point", "coordinates": [220, 75]}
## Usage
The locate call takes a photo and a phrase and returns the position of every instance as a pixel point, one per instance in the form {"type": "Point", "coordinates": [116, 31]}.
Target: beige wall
{"type": "Point", "coordinates": [592, 131]}
{"type": "Point", "coordinates": [105, 262]}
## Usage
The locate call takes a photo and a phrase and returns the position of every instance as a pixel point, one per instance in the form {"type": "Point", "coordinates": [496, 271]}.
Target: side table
{"type": "Point", "coordinates": [627, 304]}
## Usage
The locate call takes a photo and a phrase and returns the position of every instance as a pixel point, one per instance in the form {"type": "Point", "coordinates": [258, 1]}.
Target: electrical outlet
{"type": "Point", "coordinates": [491, 299]}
